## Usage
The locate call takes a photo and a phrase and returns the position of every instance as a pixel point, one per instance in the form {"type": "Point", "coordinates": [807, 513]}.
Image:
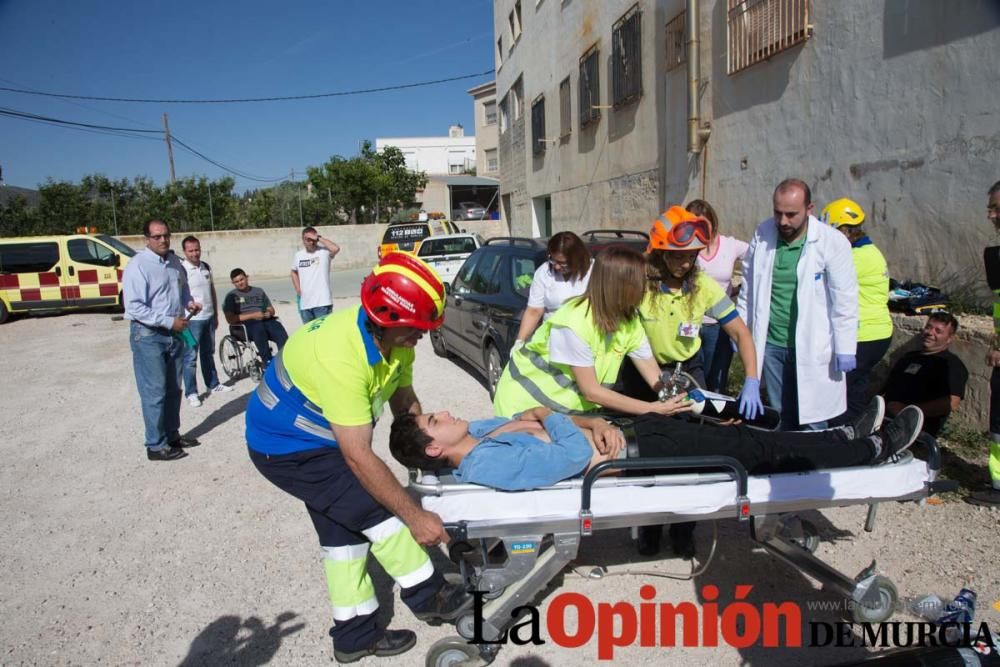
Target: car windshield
{"type": "Point", "coordinates": [447, 246]}
{"type": "Point", "coordinates": [117, 245]}
{"type": "Point", "coordinates": [405, 233]}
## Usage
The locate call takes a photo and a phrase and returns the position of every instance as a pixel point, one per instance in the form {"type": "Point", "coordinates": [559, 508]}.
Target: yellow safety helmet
{"type": "Point", "coordinates": [843, 212]}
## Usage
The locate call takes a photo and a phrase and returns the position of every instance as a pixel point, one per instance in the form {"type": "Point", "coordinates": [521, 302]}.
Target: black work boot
{"type": "Point", "coordinates": [450, 602]}
{"type": "Point", "coordinates": [649, 540]}
{"type": "Point", "coordinates": [682, 539]}
{"type": "Point", "coordinates": [393, 642]}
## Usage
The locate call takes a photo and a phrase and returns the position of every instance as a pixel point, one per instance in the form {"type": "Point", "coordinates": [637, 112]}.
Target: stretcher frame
{"type": "Point", "coordinates": [511, 577]}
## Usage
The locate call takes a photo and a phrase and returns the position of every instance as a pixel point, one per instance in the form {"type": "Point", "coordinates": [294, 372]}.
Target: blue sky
{"type": "Point", "coordinates": [213, 49]}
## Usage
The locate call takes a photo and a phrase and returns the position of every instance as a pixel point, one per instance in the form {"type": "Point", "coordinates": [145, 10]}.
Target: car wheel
{"type": "Point", "coordinates": [494, 368]}
{"type": "Point", "coordinates": [437, 342]}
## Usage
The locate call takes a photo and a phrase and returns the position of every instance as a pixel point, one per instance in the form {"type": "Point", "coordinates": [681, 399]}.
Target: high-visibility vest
{"type": "Point", "coordinates": [531, 379]}
{"type": "Point", "coordinates": [874, 321]}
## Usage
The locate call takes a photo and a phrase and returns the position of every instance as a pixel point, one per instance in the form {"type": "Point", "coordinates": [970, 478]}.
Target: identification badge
{"type": "Point", "coordinates": [913, 369]}
{"type": "Point", "coordinates": [688, 329]}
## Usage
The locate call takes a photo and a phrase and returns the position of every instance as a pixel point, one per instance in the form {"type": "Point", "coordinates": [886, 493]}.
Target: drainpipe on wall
{"type": "Point", "coordinates": [697, 136]}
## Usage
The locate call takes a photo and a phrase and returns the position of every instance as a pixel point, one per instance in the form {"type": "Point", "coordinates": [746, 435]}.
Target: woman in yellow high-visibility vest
{"type": "Point", "coordinates": [679, 298]}
{"type": "Point", "coordinates": [572, 360]}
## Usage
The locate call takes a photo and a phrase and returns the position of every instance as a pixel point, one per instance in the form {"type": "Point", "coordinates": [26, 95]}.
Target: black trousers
{"type": "Point", "coordinates": [760, 452]}
{"type": "Point", "coordinates": [262, 331]}
{"type": "Point", "coordinates": [868, 355]}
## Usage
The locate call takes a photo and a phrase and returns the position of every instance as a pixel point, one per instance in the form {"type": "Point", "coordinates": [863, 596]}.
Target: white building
{"type": "Point", "coordinates": [454, 154]}
{"type": "Point", "coordinates": [484, 110]}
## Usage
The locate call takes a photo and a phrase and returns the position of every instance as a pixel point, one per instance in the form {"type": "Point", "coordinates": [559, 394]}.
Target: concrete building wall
{"type": "Point", "coordinates": [487, 134]}
{"type": "Point", "coordinates": [267, 253]}
{"type": "Point", "coordinates": [434, 155]}
{"type": "Point", "coordinates": [895, 103]}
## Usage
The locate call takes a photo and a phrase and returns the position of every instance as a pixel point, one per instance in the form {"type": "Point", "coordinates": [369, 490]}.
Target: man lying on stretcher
{"type": "Point", "coordinates": [540, 447]}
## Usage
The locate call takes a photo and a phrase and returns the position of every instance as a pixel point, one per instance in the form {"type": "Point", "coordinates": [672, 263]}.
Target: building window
{"type": "Point", "coordinates": [499, 53]}
{"type": "Point", "coordinates": [517, 99]}
{"type": "Point", "coordinates": [565, 110]}
{"type": "Point", "coordinates": [504, 115]}
{"type": "Point", "coordinates": [492, 163]}
{"type": "Point", "coordinates": [514, 19]}
{"type": "Point", "coordinates": [626, 57]}
{"type": "Point", "coordinates": [590, 89]}
{"type": "Point", "coordinates": [490, 112]}
{"type": "Point", "coordinates": [676, 37]}
{"type": "Point", "coordinates": [538, 126]}
{"type": "Point", "coordinates": [758, 29]}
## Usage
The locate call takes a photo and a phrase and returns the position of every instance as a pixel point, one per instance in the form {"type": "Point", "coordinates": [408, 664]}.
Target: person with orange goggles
{"type": "Point", "coordinates": [678, 297]}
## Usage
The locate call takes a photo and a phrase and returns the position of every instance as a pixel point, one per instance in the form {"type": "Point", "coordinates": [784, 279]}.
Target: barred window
{"type": "Point", "coordinates": [626, 57]}
{"type": "Point", "coordinates": [590, 90]}
{"type": "Point", "coordinates": [538, 126]}
{"type": "Point", "coordinates": [676, 38]}
{"type": "Point", "coordinates": [758, 29]}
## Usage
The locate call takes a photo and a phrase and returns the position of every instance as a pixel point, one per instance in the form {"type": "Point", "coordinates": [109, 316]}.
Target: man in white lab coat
{"type": "Point", "coordinates": [800, 300]}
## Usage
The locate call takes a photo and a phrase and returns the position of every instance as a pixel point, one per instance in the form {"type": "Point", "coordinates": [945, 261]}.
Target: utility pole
{"type": "Point", "coordinates": [299, 192]}
{"type": "Point", "coordinates": [114, 215]}
{"type": "Point", "coordinates": [211, 215]}
{"type": "Point", "coordinates": [170, 148]}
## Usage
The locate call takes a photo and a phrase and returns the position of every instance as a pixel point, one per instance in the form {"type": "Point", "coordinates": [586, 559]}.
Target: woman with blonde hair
{"type": "Point", "coordinates": [571, 361]}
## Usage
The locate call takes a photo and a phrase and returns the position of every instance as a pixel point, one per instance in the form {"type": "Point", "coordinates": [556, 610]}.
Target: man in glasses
{"type": "Point", "coordinates": [158, 304]}
{"type": "Point", "coordinates": [311, 275]}
{"type": "Point", "coordinates": [800, 300]}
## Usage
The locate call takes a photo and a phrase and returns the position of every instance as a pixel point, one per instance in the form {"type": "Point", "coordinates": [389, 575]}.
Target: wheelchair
{"type": "Point", "coordinates": [239, 356]}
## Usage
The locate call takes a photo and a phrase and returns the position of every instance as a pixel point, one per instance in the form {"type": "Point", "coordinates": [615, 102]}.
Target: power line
{"type": "Point", "coordinates": [363, 91]}
{"type": "Point", "coordinates": [127, 132]}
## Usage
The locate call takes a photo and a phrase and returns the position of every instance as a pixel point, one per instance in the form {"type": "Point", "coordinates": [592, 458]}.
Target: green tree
{"type": "Point", "coordinates": [359, 188]}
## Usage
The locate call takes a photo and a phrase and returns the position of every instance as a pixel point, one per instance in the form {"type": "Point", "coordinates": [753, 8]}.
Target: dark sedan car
{"type": "Point", "coordinates": [490, 292]}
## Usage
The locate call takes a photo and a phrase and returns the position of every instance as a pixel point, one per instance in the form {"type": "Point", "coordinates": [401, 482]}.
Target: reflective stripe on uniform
{"type": "Point", "coordinates": [286, 381]}
{"type": "Point", "coordinates": [351, 590]}
{"type": "Point", "coordinates": [399, 554]}
{"type": "Point", "coordinates": [536, 392]}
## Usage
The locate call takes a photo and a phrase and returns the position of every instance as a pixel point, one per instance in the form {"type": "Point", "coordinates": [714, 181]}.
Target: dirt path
{"type": "Point", "coordinates": [110, 559]}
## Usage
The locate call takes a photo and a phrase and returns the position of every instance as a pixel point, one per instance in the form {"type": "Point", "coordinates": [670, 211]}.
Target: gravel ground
{"type": "Point", "coordinates": [110, 559]}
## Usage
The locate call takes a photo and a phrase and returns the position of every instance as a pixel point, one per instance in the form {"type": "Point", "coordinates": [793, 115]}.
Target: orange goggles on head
{"type": "Point", "coordinates": [677, 229]}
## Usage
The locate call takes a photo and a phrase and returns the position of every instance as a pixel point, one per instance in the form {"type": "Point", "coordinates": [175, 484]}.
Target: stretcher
{"type": "Point", "coordinates": [511, 544]}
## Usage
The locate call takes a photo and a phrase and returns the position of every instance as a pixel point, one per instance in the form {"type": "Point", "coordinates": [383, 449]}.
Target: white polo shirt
{"type": "Point", "coordinates": [200, 283]}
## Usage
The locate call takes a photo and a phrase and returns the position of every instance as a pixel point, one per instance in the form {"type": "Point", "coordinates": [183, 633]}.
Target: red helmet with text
{"type": "Point", "coordinates": [402, 291]}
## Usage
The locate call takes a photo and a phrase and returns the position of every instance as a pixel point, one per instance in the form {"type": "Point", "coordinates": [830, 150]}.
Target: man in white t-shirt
{"type": "Point", "coordinates": [202, 325]}
{"type": "Point", "coordinates": [311, 275]}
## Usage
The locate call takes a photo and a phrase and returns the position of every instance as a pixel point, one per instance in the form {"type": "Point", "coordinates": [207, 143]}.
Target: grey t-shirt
{"type": "Point", "coordinates": [254, 300]}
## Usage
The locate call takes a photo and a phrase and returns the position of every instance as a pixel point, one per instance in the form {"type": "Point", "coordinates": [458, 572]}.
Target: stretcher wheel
{"type": "Point", "coordinates": [883, 609]}
{"type": "Point", "coordinates": [452, 652]}
{"type": "Point", "coordinates": [466, 626]}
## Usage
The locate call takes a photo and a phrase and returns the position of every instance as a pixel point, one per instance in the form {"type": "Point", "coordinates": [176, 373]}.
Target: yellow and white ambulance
{"type": "Point", "coordinates": [55, 273]}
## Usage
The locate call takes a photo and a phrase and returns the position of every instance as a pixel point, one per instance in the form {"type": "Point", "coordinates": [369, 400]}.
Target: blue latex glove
{"type": "Point", "coordinates": [750, 405]}
{"type": "Point", "coordinates": [845, 363]}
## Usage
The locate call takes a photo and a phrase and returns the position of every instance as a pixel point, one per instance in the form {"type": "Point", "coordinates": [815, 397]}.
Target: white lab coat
{"type": "Point", "coordinates": [827, 324]}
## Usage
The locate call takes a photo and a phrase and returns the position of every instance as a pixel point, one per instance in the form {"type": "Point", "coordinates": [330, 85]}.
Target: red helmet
{"type": "Point", "coordinates": [402, 291]}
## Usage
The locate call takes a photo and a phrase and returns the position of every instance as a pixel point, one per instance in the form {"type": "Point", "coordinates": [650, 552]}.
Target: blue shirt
{"type": "Point", "coordinates": [519, 461]}
{"type": "Point", "coordinates": [155, 289]}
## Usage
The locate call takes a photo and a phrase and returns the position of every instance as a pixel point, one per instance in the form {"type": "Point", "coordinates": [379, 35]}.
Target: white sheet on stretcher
{"type": "Point", "coordinates": [851, 485]}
